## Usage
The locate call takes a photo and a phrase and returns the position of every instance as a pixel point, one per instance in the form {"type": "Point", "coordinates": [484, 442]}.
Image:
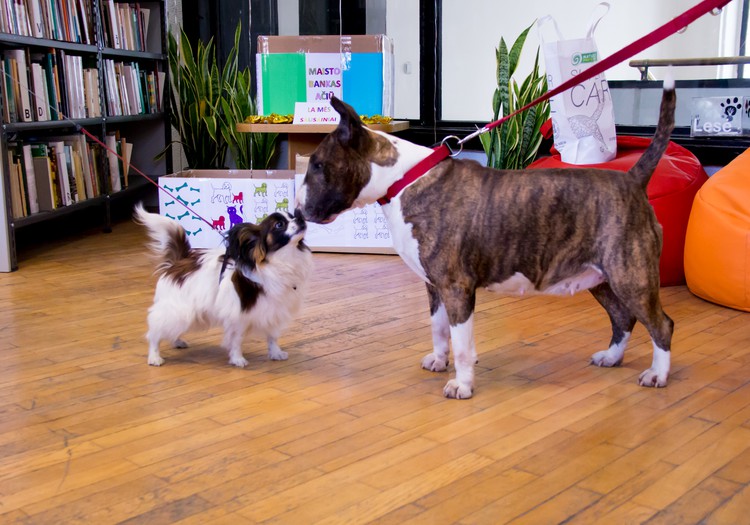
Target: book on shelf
{"type": "Point", "coordinates": [35, 18]}
{"type": "Point", "coordinates": [15, 62]}
{"type": "Point", "coordinates": [23, 186]}
{"type": "Point", "coordinates": [46, 184]}
{"type": "Point", "coordinates": [5, 84]}
{"type": "Point", "coordinates": [113, 161]}
{"type": "Point", "coordinates": [39, 83]}
{"type": "Point", "coordinates": [91, 92]}
{"type": "Point", "coordinates": [53, 86]}
{"type": "Point", "coordinates": [57, 156]}
{"type": "Point", "coordinates": [29, 179]}
{"type": "Point", "coordinates": [112, 24]}
{"type": "Point", "coordinates": [126, 149]}
{"type": "Point", "coordinates": [85, 19]}
{"type": "Point", "coordinates": [17, 207]}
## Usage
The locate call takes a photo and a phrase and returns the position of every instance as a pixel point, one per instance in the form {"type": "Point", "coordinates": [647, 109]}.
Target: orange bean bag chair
{"type": "Point", "coordinates": [677, 178]}
{"type": "Point", "coordinates": [717, 246]}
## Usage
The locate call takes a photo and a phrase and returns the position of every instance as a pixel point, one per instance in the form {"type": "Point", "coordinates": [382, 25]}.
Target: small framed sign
{"type": "Point", "coordinates": [720, 116]}
{"type": "Point", "coordinates": [315, 113]}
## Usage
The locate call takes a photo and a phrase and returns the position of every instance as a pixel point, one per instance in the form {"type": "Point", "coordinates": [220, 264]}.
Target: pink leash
{"type": "Point", "coordinates": [443, 151]}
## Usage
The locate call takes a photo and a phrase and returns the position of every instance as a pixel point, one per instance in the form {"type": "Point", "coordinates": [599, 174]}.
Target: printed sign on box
{"type": "Point", "coordinates": [361, 230]}
{"type": "Point", "coordinates": [223, 198]}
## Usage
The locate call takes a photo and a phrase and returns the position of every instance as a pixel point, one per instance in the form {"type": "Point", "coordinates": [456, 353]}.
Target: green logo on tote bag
{"type": "Point", "coordinates": [584, 58]}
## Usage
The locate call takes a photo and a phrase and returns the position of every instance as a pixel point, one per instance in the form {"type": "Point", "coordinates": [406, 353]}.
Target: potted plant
{"type": "Point", "coordinates": [514, 144]}
{"type": "Point", "coordinates": [207, 102]}
{"type": "Point", "coordinates": [249, 150]}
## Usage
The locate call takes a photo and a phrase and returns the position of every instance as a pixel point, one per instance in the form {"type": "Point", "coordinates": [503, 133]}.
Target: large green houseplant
{"type": "Point", "coordinates": [206, 104]}
{"type": "Point", "coordinates": [514, 144]}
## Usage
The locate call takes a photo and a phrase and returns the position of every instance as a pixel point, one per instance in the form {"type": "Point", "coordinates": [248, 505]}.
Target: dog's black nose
{"type": "Point", "coordinates": [299, 219]}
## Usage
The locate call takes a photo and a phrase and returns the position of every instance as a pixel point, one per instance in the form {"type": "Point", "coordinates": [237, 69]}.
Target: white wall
{"type": "Point", "coordinates": [288, 17]}
{"type": "Point", "coordinates": [402, 26]}
{"type": "Point", "coordinates": [472, 30]}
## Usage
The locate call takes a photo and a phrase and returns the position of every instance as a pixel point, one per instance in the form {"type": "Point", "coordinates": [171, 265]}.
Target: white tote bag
{"type": "Point", "coordinates": [583, 119]}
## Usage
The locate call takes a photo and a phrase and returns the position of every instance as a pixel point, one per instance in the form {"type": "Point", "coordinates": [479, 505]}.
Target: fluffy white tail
{"type": "Point", "coordinates": [168, 239]}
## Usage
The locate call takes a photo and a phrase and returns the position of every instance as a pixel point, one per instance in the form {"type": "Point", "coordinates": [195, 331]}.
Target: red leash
{"type": "Point", "coordinates": [139, 172]}
{"type": "Point", "coordinates": [442, 151]}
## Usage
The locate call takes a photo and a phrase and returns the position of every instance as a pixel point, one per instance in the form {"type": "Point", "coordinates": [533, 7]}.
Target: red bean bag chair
{"type": "Point", "coordinates": [677, 178]}
{"type": "Point", "coordinates": [717, 246]}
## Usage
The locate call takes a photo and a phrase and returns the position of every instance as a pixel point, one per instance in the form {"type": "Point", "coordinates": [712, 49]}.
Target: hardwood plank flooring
{"type": "Point", "coordinates": [350, 429]}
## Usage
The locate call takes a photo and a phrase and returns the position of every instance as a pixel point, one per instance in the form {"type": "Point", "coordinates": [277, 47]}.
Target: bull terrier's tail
{"type": "Point", "coordinates": [644, 168]}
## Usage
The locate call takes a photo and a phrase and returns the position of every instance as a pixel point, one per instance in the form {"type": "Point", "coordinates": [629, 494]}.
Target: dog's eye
{"type": "Point", "coordinates": [278, 226]}
{"type": "Point", "coordinates": [317, 166]}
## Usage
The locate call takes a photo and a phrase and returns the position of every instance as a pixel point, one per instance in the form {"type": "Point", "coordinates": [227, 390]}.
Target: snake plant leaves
{"type": "Point", "coordinates": [207, 101]}
{"type": "Point", "coordinates": [514, 144]}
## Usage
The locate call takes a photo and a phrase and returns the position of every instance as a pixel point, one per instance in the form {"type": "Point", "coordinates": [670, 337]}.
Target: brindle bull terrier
{"type": "Point", "coordinates": [463, 226]}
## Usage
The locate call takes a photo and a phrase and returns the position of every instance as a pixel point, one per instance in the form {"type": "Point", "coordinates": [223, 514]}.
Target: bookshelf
{"type": "Point", "coordinates": [67, 65]}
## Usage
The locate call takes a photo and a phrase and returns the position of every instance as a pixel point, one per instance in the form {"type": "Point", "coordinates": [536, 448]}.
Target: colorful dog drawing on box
{"type": "Point", "coordinates": [234, 217]}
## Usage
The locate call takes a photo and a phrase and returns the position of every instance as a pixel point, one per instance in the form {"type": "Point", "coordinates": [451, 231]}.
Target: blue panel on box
{"type": "Point", "coordinates": [363, 83]}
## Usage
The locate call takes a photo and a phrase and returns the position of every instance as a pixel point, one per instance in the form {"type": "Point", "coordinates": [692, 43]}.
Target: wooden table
{"type": "Point", "coordinates": [304, 138]}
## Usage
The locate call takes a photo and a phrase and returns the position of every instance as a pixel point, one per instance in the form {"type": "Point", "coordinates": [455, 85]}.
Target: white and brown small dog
{"type": "Point", "coordinates": [463, 226]}
{"type": "Point", "coordinates": [256, 284]}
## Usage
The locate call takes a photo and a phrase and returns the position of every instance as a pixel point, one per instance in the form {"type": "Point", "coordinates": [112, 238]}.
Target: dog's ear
{"type": "Point", "coordinates": [242, 240]}
{"type": "Point", "coordinates": [260, 249]}
{"type": "Point", "coordinates": [350, 130]}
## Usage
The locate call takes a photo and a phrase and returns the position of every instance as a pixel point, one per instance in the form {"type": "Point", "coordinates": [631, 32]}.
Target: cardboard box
{"type": "Point", "coordinates": [358, 69]}
{"type": "Point", "coordinates": [362, 230]}
{"type": "Point", "coordinates": [224, 198]}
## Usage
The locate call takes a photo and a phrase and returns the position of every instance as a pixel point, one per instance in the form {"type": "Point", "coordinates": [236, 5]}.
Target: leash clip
{"type": "Point", "coordinates": [459, 145]}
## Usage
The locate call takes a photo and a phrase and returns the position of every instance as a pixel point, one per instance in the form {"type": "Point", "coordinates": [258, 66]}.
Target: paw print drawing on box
{"type": "Point", "coordinates": [731, 107]}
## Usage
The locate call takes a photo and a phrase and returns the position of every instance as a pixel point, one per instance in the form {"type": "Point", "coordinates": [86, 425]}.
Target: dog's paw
{"type": "Point", "coordinates": [278, 355]}
{"type": "Point", "coordinates": [179, 343]}
{"type": "Point", "coordinates": [652, 378]}
{"type": "Point", "coordinates": [605, 358]}
{"type": "Point", "coordinates": [433, 363]}
{"type": "Point", "coordinates": [155, 360]}
{"type": "Point", "coordinates": [455, 390]}
{"type": "Point", "coordinates": [239, 362]}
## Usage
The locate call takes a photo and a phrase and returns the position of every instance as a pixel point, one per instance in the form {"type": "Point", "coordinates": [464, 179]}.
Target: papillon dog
{"type": "Point", "coordinates": [256, 283]}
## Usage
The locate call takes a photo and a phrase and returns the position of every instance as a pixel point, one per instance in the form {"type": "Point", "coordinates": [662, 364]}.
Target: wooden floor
{"type": "Point", "coordinates": [350, 429]}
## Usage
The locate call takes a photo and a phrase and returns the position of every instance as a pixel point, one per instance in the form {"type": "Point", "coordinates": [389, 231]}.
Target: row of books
{"type": "Point", "coordinates": [57, 85]}
{"type": "Point", "coordinates": [125, 26]}
{"type": "Point", "coordinates": [48, 86]}
{"type": "Point", "coordinates": [64, 170]}
{"type": "Point", "coordinates": [132, 90]}
{"type": "Point", "coordinates": [69, 20]}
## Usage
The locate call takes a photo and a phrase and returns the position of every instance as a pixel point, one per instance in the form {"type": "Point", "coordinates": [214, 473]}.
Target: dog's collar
{"type": "Point", "coordinates": [438, 154]}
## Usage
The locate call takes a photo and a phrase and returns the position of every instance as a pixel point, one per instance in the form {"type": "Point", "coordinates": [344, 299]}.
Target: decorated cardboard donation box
{"type": "Point", "coordinates": [361, 230]}
{"type": "Point", "coordinates": [223, 198]}
{"type": "Point", "coordinates": [310, 69]}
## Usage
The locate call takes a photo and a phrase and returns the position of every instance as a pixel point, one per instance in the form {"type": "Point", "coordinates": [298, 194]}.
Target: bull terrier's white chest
{"type": "Point", "coordinates": [403, 241]}
{"type": "Point", "coordinates": [519, 284]}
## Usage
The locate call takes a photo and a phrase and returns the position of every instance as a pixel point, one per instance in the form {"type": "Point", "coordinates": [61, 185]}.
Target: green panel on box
{"type": "Point", "coordinates": [283, 82]}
